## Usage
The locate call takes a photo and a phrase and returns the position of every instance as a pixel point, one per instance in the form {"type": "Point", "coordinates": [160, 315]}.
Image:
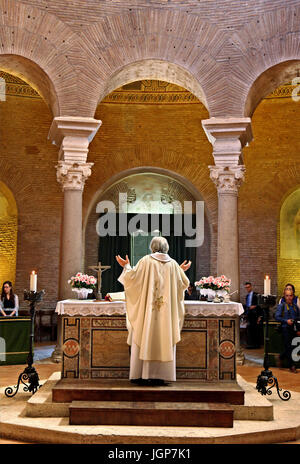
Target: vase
{"type": "Point", "coordinates": [82, 293]}
{"type": "Point", "coordinates": [211, 294]}
{"type": "Point", "coordinates": [222, 293]}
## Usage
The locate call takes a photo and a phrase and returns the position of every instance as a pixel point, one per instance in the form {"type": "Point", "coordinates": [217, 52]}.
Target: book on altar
{"type": "Point", "coordinates": [115, 296]}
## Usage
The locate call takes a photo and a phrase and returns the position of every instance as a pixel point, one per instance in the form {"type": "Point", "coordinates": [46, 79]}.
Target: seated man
{"type": "Point", "coordinates": [254, 316]}
{"type": "Point", "coordinates": [191, 293]}
{"type": "Point", "coordinates": [154, 291]}
{"type": "Point", "coordinates": [287, 313]}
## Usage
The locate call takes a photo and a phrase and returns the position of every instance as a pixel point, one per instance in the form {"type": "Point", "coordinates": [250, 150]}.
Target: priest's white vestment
{"type": "Point", "coordinates": [154, 291]}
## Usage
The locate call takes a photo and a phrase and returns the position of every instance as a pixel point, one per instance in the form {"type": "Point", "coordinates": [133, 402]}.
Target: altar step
{"type": "Point", "coordinates": [68, 390]}
{"type": "Point", "coordinates": [151, 414]}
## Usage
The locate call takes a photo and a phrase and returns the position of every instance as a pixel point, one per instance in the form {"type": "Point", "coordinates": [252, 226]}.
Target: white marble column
{"type": "Point", "coordinates": [228, 137]}
{"type": "Point", "coordinates": [72, 177]}
{"type": "Point", "coordinates": [72, 135]}
{"type": "Point", "coordinates": [228, 180]}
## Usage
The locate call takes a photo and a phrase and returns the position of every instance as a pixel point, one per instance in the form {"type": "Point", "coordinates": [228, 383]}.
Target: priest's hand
{"type": "Point", "coordinates": [185, 265]}
{"type": "Point", "coordinates": [122, 261]}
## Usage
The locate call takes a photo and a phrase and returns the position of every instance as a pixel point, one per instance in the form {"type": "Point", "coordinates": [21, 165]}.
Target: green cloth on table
{"type": "Point", "coordinates": [14, 340]}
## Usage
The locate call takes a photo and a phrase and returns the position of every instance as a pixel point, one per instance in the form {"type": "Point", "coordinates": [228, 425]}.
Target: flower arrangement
{"type": "Point", "coordinates": [83, 281]}
{"type": "Point", "coordinates": [214, 283]}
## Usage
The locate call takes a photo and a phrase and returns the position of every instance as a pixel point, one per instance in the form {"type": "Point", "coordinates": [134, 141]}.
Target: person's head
{"type": "Point", "coordinates": [159, 245]}
{"type": "Point", "coordinates": [191, 288]}
{"type": "Point", "coordinates": [290, 287]}
{"type": "Point", "coordinates": [248, 286]}
{"type": "Point", "coordinates": [7, 289]}
{"type": "Point", "coordinates": [288, 296]}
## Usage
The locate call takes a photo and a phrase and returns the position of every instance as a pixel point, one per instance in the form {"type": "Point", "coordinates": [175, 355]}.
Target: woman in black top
{"type": "Point", "coordinates": [9, 304]}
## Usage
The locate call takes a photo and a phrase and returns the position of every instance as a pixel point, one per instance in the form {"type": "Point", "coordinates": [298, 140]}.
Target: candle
{"type": "Point", "coordinates": [33, 282]}
{"type": "Point", "coordinates": [267, 285]}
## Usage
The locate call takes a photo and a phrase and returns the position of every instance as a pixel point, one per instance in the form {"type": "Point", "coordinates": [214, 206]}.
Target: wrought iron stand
{"type": "Point", "coordinates": [266, 380]}
{"type": "Point", "coordinates": [29, 374]}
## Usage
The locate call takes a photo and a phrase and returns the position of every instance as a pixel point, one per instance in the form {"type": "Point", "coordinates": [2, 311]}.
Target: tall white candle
{"type": "Point", "coordinates": [267, 285]}
{"type": "Point", "coordinates": [33, 282]}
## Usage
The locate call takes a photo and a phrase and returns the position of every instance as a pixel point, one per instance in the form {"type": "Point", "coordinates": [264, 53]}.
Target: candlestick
{"type": "Point", "coordinates": [267, 285]}
{"type": "Point", "coordinates": [33, 282]}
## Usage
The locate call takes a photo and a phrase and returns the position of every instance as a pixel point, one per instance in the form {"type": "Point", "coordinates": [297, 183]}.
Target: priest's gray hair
{"type": "Point", "coordinates": [159, 245]}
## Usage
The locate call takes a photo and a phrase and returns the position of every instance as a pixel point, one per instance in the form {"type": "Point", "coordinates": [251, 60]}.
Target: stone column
{"type": "Point", "coordinates": [72, 135]}
{"type": "Point", "coordinates": [228, 179]}
{"type": "Point", "coordinates": [228, 136]}
{"type": "Point", "coordinates": [72, 177]}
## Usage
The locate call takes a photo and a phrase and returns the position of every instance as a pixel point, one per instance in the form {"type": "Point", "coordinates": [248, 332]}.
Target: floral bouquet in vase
{"type": "Point", "coordinates": [214, 286]}
{"type": "Point", "coordinates": [82, 284]}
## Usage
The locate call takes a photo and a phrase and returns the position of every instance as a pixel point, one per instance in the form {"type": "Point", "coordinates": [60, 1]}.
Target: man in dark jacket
{"type": "Point", "coordinates": [287, 313]}
{"type": "Point", "coordinates": [253, 314]}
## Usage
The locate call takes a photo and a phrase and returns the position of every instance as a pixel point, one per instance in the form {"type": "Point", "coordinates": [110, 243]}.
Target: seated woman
{"type": "Point", "coordinates": [9, 304]}
{"type": "Point", "coordinates": [296, 299]}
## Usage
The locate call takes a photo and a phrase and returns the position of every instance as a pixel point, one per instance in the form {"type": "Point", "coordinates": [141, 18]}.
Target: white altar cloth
{"type": "Point", "coordinates": [111, 308]}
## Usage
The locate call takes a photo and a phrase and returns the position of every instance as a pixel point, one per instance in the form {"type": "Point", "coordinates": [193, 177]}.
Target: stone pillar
{"type": "Point", "coordinates": [72, 135]}
{"type": "Point", "coordinates": [228, 136]}
{"type": "Point", "coordinates": [228, 179]}
{"type": "Point", "coordinates": [72, 177]}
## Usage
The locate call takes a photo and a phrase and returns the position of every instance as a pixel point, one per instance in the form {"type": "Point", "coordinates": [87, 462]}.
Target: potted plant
{"type": "Point", "coordinates": [82, 284]}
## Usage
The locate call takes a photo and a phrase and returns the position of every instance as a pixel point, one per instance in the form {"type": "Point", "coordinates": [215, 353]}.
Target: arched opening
{"type": "Point", "coordinates": [289, 241]}
{"type": "Point", "coordinates": [155, 70]}
{"type": "Point", "coordinates": [31, 73]}
{"type": "Point", "coordinates": [153, 205]}
{"type": "Point", "coordinates": [268, 81]}
{"type": "Point", "coordinates": [27, 159]}
{"type": "Point", "coordinates": [8, 234]}
{"type": "Point", "coordinates": [272, 170]}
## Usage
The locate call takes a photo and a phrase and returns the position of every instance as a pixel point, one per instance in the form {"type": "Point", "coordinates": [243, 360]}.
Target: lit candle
{"type": "Point", "coordinates": [267, 285]}
{"type": "Point", "coordinates": [33, 281]}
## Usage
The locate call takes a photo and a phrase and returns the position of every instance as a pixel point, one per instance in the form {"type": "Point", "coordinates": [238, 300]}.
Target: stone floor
{"type": "Point", "coordinates": [249, 371]}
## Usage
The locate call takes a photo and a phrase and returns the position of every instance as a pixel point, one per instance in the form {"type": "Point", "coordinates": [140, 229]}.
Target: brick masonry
{"type": "Point", "coordinates": [230, 57]}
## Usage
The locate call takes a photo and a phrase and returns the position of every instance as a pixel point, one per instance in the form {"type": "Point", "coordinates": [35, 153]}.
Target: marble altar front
{"type": "Point", "coordinates": [94, 340]}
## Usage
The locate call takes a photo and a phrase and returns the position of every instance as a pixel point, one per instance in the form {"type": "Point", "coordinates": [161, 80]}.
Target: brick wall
{"type": "Point", "coordinates": [163, 136]}
{"type": "Point", "coordinates": [27, 167]}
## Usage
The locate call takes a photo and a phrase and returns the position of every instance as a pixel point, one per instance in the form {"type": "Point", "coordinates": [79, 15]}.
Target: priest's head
{"type": "Point", "coordinates": [159, 245]}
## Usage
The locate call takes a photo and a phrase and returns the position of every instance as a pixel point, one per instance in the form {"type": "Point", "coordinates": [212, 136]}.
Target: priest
{"type": "Point", "coordinates": [154, 291]}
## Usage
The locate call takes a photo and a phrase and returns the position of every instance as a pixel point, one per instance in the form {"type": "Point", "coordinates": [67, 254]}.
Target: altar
{"type": "Point", "coordinates": [94, 340]}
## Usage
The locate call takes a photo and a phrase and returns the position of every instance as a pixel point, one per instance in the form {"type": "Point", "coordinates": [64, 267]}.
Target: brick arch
{"type": "Point", "coordinates": [268, 81]}
{"type": "Point", "coordinates": [287, 267]}
{"type": "Point", "coordinates": [33, 46]}
{"type": "Point", "coordinates": [8, 233]}
{"type": "Point", "coordinates": [158, 70]}
{"type": "Point", "coordinates": [269, 52]}
{"type": "Point", "coordinates": [182, 41]}
{"type": "Point", "coordinates": [90, 215]}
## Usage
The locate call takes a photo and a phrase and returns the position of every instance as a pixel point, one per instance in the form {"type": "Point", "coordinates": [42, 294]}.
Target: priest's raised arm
{"type": "Point", "coordinates": [154, 291]}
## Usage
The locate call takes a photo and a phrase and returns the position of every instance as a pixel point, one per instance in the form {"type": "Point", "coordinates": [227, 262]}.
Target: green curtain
{"type": "Point", "coordinates": [110, 246]}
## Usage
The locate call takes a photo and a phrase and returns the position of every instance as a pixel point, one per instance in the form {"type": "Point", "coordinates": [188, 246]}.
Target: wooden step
{"type": "Point", "coordinates": [151, 414]}
{"type": "Point", "coordinates": [68, 390]}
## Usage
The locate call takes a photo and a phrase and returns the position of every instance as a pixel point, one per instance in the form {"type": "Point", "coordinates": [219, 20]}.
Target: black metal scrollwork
{"type": "Point", "coordinates": [29, 374]}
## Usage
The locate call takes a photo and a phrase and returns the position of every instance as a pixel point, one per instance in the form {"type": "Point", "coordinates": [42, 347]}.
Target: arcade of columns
{"type": "Point", "coordinates": [73, 135]}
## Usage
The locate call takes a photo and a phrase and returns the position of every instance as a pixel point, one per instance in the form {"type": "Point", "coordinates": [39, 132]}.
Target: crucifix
{"type": "Point", "coordinates": [99, 269]}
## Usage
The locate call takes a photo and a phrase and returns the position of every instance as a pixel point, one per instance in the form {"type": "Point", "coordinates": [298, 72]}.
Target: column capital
{"type": "Point", "coordinates": [227, 179]}
{"type": "Point", "coordinates": [228, 136]}
{"type": "Point", "coordinates": [73, 135]}
{"type": "Point", "coordinates": [72, 176]}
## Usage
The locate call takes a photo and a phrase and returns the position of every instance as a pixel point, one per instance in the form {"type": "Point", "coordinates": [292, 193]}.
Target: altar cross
{"type": "Point", "coordinates": [99, 269]}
